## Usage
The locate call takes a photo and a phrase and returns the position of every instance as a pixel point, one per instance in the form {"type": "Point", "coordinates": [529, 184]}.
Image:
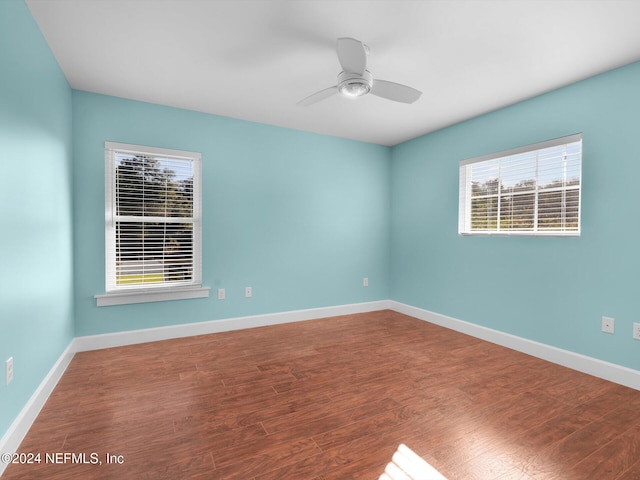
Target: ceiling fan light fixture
{"type": "Point", "coordinates": [354, 89]}
{"type": "Point", "coordinates": [354, 85]}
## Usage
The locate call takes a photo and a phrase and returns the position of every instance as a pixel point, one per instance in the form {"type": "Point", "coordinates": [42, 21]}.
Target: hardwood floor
{"type": "Point", "coordinates": [332, 399]}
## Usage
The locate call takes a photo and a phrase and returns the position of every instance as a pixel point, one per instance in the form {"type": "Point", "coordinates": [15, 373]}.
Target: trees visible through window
{"type": "Point", "coordinates": [532, 190]}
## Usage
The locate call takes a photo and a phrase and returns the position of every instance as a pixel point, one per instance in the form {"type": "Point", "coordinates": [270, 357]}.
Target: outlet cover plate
{"type": "Point", "coordinates": [608, 324]}
{"type": "Point", "coordinates": [8, 368]}
{"type": "Point", "coordinates": [636, 331]}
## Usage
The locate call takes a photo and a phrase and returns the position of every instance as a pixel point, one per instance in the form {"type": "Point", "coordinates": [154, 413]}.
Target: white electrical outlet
{"type": "Point", "coordinates": [365, 282]}
{"type": "Point", "coordinates": [8, 368]}
{"type": "Point", "coordinates": [608, 324]}
{"type": "Point", "coordinates": [248, 292]}
{"type": "Point", "coordinates": [636, 331]}
{"type": "Point", "coordinates": [221, 294]}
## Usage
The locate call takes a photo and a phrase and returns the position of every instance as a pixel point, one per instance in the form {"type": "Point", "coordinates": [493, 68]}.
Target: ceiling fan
{"type": "Point", "coordinates": [355, 80]}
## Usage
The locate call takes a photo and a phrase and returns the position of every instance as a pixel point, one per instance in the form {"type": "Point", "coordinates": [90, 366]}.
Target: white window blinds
{"type": "Point", "coordinates": [153, 219]}
{"type": "Point", "coordinates": [532, 190]}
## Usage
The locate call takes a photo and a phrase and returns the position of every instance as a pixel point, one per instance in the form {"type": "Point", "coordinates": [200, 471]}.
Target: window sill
{"type": "Point", "coordinates": [145, 296]}
{"type": "Point", "coordinates": [520, 234]}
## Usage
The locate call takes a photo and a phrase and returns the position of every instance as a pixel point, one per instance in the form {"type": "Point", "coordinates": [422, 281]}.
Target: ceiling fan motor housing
{"type": "Point", "coordinates": [354, 84]}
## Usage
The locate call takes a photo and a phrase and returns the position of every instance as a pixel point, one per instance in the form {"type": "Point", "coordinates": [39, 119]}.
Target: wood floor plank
{"type": "Point", "coordinates": [632, 473]}
{"type": "Point", "coordinates": [613, 459]}
{"type": "Point", "coordinates": [332, 399]}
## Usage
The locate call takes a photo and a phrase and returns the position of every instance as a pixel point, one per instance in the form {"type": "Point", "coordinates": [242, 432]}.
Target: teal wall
{"type": "Point", "coordinates": [300, 217]}
{"type": "Point", "coordinates": [551, 290]}
{"type": "Point", "coordinates": [36, 286]}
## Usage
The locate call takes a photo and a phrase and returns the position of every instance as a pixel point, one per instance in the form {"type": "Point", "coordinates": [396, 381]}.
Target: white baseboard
{"type": "Point", "coordinates": [582, 363]}
{"type": "Point", "coordinates": [15, 434]}
{"type": "Point", "coordinates": [119, 339]}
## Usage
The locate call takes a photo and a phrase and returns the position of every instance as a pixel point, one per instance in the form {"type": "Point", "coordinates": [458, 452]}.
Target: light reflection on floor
{"type": "Point", "coordinates": [407, 465]}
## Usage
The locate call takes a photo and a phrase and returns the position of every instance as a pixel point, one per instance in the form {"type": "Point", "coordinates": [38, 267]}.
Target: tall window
{"type": "Point", "coordinates": [153, 218]}
{"type": "Point", "coordinates": [532, 190]}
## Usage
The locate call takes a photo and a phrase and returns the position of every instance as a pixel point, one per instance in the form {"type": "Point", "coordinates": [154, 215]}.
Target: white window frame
{"type": "Point", "coordinates": [153, 293]}
{"type": "Point", "coordinates": [465, 193]}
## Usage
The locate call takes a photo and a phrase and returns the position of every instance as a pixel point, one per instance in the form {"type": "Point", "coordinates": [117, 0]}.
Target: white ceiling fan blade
{"type": "Point", "coordinates": [316, 97]}
{"type": "Point", "coordinates": [395, 91]}
{"type": "Point", "coordinates": [352, 55]}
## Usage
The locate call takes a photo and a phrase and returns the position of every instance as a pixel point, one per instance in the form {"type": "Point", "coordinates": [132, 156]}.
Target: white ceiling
{"type": "Point", "coordinates": [254, 59]}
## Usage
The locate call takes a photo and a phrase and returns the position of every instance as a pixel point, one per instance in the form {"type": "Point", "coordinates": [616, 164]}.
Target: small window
{"type": "Point", "coordinates": [153, 220]}
{"type": "Point", "coordinates": [532, 190]}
